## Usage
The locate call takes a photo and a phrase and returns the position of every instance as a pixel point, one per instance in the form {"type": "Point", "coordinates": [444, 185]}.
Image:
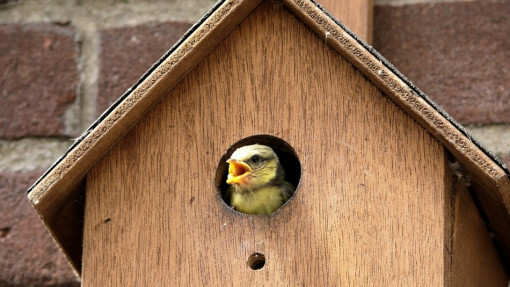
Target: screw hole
{"type": "Point", "coordinates": [256, 261]}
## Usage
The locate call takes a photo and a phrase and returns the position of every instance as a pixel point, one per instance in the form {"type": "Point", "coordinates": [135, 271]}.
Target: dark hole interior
{"type": "Point", "coordinates": [256, 261]}
{"type": "Point", "coordinates": [286, 154]}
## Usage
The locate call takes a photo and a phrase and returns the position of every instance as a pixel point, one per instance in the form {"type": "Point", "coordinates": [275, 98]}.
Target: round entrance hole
{"type": "Point", "coordinates": [256, 261]}
{"type": "Point", "coordinates": [286, 155]}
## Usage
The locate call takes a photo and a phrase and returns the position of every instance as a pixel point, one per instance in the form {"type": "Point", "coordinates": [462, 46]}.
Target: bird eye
{"type": "Point", "coordinates": [255, 159]}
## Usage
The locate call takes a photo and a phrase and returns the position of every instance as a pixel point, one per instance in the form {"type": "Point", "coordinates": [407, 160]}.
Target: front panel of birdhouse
{"type": "Point", "coordinates": [371, 206]}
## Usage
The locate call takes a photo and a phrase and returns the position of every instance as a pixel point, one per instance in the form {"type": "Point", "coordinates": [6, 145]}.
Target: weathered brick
{"type": "Point", "coordinates": [506, 160]}
{"type": "Point", "coordinates": [457, 53]}
{"type": "Point", "coordinates": [28, 254]}
{"type": "Point", "coordinates": [38, 79]}
{"type": "Point", "coordinates": [126, 53]}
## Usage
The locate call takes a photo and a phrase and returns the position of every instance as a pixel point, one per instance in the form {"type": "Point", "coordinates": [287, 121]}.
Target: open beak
{"type": "Point", "coordinates": [237, 171]}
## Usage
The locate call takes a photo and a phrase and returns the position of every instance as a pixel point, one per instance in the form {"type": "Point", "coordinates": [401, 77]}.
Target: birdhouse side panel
{"type": "Point", "coordinates": [372, 205]}
{"type": "Point", "coordinates": [474, 258]}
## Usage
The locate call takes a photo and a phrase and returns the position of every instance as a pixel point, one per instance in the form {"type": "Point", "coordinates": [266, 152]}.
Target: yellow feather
{"type": "Point", "coordinates": [262, 201]}
{"type": "Point", "coordinates": [261, 189]}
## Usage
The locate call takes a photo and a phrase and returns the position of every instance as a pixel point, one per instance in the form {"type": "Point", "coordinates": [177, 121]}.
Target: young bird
{"type": "Point", "coordinates": [257, 180]}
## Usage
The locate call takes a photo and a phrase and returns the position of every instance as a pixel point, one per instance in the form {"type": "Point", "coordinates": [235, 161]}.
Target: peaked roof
{"type": "Point", "coordinates": [56, 195]}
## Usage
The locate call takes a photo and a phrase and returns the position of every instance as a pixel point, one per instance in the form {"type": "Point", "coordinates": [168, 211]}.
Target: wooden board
{"type": "Point", "coordinates": [356, 15]}
{"type": "Point", "coordinates": [370, 208]}
{"type": "Point", "coordinates": [474, 259]}
{"type": "Point", "coordinates": [491, 184]}
{"type": "Point", "coordinates": [61, 186]}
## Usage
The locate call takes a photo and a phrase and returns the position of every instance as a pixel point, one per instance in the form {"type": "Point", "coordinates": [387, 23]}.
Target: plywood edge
{"type": "Point", "coordinates": [57, 186]}
{"type": "Point", "coordinates": [470, 154]}
{"type": "Point", "coordinates": [356, 14]}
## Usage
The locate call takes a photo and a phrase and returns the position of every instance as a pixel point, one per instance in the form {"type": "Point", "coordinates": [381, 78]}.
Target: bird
{"type": "Point", "coordinates": [257, 180]}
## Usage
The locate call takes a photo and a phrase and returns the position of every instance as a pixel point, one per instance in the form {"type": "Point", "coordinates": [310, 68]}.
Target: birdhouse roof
{"type": "Point", "coordinates": [57, 195]}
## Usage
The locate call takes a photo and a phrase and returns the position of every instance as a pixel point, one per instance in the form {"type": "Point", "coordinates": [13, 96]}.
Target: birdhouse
{"type": "Point", "coordinates": [389, 190]}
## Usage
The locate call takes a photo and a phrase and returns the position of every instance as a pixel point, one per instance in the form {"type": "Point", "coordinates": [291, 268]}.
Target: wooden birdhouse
{"type": "Point", "coordinates": [390, 191]}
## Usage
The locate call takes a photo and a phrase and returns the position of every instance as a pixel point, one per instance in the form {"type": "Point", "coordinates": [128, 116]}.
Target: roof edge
{"type": "Point", "coordinates": [491, 178]}
{"type": "Point", "coordinates": [54, 188]}
{"type": "Point", "coordinates": [59, 185]}
{"type": "Point", "coordinates": [414, 88]}
{"type": "Point", "coordinates": [399, 89]}
{"type": "Point", "coordinates": [116, 103]}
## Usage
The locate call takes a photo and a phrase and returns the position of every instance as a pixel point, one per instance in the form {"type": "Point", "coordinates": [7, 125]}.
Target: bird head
{"type": "Point", "coordinates": [253, 166]}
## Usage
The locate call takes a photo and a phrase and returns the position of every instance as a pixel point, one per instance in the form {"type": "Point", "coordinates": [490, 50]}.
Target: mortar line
{"type": "Point", "coordinates": [496, 137]}
{"type": "Point", "coordinates": [88, 68]}
{"type": "Point", "coordinates": [88, 19]}
{"type": "Point", "coordinates": [31, 153]}
{"type": "Point", "coordinates": [105, 14]}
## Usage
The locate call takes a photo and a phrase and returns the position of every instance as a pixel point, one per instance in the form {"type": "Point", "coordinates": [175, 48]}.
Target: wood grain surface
{"type": "Point", "coordinates": [58, 191]}
{"type": "Point", "coordinates": [474, 258]}
{"type": "Point", "coordinates": [357, 15]}
{"type": "Point", "coordinates": [370, 210]}
{"type": "Point", "coordinates": [490, 182]}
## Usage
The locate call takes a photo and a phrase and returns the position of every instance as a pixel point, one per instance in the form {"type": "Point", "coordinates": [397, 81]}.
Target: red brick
{"type": "Point", "coordinates": [457, 53]}
{"type": "Point", "coordinates": [506, 160]}
{"type": "Point", "coordinates": [126, 53]}
{"type": "Point", "coordinates": [28, 254]}
{"type": "Point", "coordinates": [38, 79]}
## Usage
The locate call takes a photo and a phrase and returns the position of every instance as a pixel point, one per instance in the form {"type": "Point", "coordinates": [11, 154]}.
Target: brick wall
{"type": "Point", "coordinates": [458, 53]}
{"type": "Point", "coordinates": [63, 62]}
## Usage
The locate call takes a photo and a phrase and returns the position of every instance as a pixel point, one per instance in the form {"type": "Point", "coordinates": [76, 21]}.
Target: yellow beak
{"type": "Point", "coordinates": [237, 171]}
